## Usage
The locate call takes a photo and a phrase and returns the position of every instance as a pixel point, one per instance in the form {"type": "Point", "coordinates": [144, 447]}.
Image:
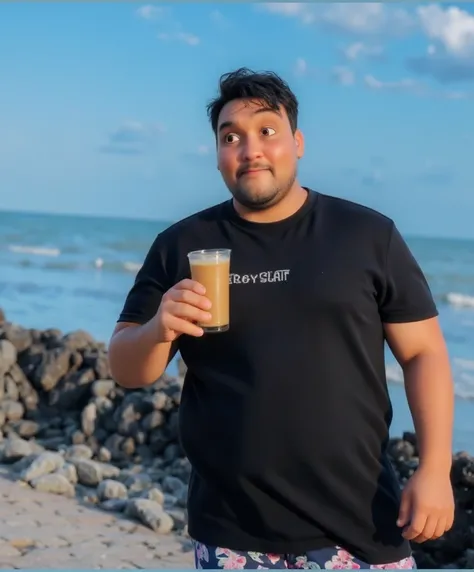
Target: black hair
{"type": "Point", "coordinates": [266, 86]}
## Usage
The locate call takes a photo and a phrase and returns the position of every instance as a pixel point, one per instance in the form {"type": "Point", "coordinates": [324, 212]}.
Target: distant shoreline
{"type": "Point", "coordinates": [169, 222]}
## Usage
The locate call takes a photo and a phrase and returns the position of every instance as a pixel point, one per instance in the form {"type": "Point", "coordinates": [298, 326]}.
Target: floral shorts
{"type": "Point", "coordinates": [213, 558]}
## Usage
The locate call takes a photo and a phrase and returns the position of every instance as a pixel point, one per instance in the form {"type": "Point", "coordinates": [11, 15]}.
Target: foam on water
{"type": "Point", "coordinates": [461, 300]}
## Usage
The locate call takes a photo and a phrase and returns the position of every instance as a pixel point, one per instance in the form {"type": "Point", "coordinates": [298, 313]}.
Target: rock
{"type": "Point", "coordinates": [69, 471]}
{"type": "Point", "coordinates": [26, 428]}
{"type": "Point", "coordinates": [54, 365]}
{"type": "Point", "coordinates": [78, 340]}
{"type": "Point", "coordinates": [7, 356]}
{"type": "Point", "coordinates": [104, 455]}
{"type": "Point", "coordinates": [151, 514]}
{"type": "Point", "coordinates": [88, 417]}
{"type": "Point", "coordinates": [114, 505]}
{"type": "Point", "coordinates": [154, 494]}
{"type": "Point", "coordinates": [54, 483]}
{"type": "Point", "coordinates": [103, 387]}
{"type": "Point", "coordinates": [44, 464]}
{"type": "Point", "coordinates": [13, 410]}
{"type": "Point", "coordinates": [89, 473]}
{"type": "Point", "coordinates": [16, 448]}
{"type": "Point", "coordinates": [110, 489]}
{"type": "Point", "coordinates": [79, 452]}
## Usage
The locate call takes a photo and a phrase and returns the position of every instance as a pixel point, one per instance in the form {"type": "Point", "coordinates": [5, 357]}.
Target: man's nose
{"type": "Point", "coordinates": [251, 150]}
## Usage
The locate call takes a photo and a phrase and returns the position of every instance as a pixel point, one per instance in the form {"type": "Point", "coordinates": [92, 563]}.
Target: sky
{"type": "Point", "coordinates": [103, 105]}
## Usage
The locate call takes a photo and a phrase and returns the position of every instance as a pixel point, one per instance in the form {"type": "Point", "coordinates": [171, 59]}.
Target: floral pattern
{"type": "Point", "coordinates": [212, 558]}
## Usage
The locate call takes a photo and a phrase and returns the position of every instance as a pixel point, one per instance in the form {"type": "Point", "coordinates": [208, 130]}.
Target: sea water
{"type": "Point", "coordinates": [73, 272]}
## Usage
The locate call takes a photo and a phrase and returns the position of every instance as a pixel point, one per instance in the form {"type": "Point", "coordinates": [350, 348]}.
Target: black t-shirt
{"type": "Point", "coordinates": [285, 417]}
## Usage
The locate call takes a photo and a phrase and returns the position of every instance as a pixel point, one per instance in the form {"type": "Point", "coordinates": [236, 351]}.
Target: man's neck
{"type": "Point", "coordinates": [288, 206]}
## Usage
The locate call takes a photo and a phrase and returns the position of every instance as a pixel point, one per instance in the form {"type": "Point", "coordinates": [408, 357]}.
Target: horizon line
{"type": "Point", "coordinates": [126, 218]}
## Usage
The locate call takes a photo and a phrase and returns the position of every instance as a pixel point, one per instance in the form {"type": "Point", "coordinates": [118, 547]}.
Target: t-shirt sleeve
{"type": "Point", "coordinates": [406, 295]}
{"type": "Point", "coordinates": [151, 283]}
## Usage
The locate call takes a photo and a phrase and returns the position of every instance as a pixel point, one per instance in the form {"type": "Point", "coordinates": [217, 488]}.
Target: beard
{"type": "Point", "coordinates": [260, 195]}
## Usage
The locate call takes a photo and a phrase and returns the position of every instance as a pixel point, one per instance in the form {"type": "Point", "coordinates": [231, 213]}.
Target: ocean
{"type": "Point", "coordinates": [73, 272]}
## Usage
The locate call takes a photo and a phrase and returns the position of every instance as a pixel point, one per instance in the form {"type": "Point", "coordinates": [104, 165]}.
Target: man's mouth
{"type": "Point", "coordinates": [253, 171]}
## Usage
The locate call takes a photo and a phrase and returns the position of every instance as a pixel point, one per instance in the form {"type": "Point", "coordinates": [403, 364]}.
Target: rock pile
{"type": "Point", "coordinates": [67, 428]}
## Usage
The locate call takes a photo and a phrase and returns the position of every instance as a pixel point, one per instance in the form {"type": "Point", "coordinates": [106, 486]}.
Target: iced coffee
{"type": "Point", "coordinates": [211, 268]}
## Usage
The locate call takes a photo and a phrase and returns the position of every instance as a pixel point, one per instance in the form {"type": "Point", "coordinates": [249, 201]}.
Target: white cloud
{"type": "Point", "coordinates": [150, 12]}
{"type": "Point", "coordinates": [297, 10]}
{"type": "Point", "coordinates": [218, 18]}
{"type": "Point", "coordinates": [452, 27]}
{"type": "Point", "coordinates": [352, 18]}
{"type": "Point", "coordinates": [343, 76]}
{"type": "Point", "coordinates": [132, 137]}
{"type": "Point", "coordinates": [360, 49]}
{"type": "Point", "coordinates": [184, 37]}
{"type": "Point", "coordinates": [406, 85]}
{"type": "Point", "coordinates": [301, 67]}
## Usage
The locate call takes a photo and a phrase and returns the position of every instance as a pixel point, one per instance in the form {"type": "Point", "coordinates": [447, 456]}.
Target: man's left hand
{"type": "Point", "coordinates": [427, 505]}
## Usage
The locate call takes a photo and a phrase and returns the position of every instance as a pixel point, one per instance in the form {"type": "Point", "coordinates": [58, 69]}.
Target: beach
{"type": "Point", "coordinates": [46, 531]}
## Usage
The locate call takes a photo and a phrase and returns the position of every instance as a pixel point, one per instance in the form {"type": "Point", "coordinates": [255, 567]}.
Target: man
{"type": "Point", "coordinates": [285, 417]}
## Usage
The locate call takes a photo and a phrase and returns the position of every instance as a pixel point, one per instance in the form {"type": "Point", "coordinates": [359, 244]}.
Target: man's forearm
{"type": "Point", "coordinates": [430, 397]}
{"type": "Point", "coordinates": [136, 358]}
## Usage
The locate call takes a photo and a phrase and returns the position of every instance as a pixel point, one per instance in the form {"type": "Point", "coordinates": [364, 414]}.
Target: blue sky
{"type": "Point", "coordinates": [102, 105]}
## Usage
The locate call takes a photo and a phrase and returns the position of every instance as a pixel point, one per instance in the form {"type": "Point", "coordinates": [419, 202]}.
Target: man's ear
{"type": "Point", "coordinates": [299, 141]}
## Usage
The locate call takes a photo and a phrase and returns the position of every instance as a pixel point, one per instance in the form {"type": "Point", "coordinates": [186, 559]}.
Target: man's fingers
{"type": "Point", "coordinates": [188, 284]}
{"type": "Point", "coordinates": [183, 326]}
{"type": "Point", "coordinates": [428, 530]}
{"type": "Point", "coordinates": [192, 298]}
{"type": "Point", "coordinates": [404, 511]}
{"type": "Point", "coordinates": [416, 526]}
{"type": "Point", "coordinates": [188, 312]}
{"type": "Point", "coordinates": [440, 528]}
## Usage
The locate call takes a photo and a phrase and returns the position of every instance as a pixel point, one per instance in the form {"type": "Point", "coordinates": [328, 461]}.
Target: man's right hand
{"type": "Point", "coordinates": [182, 306]}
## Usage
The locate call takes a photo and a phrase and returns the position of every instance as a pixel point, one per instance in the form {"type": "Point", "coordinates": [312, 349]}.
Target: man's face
{"type": "Point", "coordinates": [257, 153]}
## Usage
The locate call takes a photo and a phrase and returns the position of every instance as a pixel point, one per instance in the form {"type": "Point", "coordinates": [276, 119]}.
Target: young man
{"type": "Point", "coordinates": [285, 417]}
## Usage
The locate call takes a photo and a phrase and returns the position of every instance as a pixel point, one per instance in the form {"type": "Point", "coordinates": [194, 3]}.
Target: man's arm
{"type": "Point", "coordinates": [427, 505]}
{"type": "Point", "coordinates": [136, 357]}
{"type": "Point", "coordinates": [420, 349]}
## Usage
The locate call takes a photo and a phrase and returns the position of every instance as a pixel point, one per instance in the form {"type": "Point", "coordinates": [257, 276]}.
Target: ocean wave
{"type": "Point", "coordinates": [35, 250]}
{"type": "Point", "coordinates": [463, 375]}
{"type": "Point", "coordinates": [460, 300]}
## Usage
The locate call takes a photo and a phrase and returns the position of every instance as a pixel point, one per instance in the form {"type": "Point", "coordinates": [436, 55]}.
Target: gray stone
{"type": "Point", "coordinates": [16, 448]}
{"type": "Point", "coordinates": [13, 410]}
{"type": "Point", "coordinates": [89, 473]}
{"type": "Point", "coordinates": [69, 471]}
{"type": "Point", "coordinates": [151, 514]}
{"type": "Point", "coordinates": [7, 356]}
{"type": "Point", "coordinates": [54, 365]}
{"type": "Point", "coordinates": [54, 483]}
{"type": "Point", "coordinates": [88, 419]}
{"type": "Point", "coordinates": [44, 464]}
{"type": "Point", "coordinates": [154, 494]}
{"type": "Point", "coordinates": [103, 387]}
{"type": "Point", "coordinates": [110, 489]}
{"type": "Point", "coordinates": [114, 505]}
{"type": "Point", "coordinates": [79, 452]}
{"type": "Point", "coordinates": [104, 455]}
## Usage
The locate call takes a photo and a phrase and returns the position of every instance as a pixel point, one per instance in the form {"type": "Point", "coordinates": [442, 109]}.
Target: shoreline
{"type": "Point", "coordinates": [67, 429]}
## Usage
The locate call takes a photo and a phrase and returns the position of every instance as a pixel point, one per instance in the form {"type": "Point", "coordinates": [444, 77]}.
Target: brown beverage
{"type": "Point", "coordinates": [211, 268]}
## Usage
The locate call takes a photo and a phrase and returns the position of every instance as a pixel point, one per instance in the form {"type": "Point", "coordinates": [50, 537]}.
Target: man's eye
{"type": "Point", "coordinates": [268, 131]}
{"type": "Point", "coordinates": [229, 138]}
